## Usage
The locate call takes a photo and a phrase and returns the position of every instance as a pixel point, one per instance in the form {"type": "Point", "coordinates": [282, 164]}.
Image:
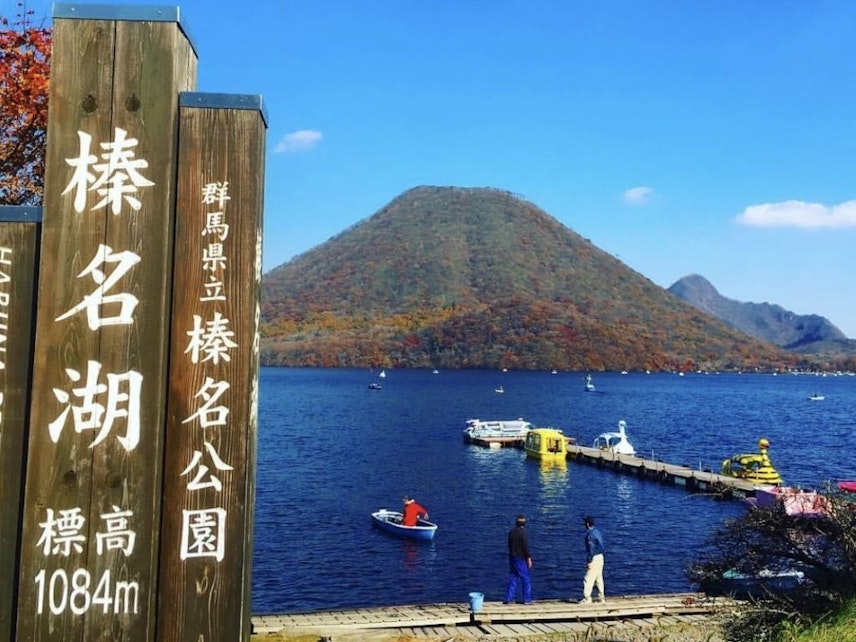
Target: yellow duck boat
{"type": "Point", "coordinates": [754, 467]}
{"type": "Point", "coordinates": [546, 444]}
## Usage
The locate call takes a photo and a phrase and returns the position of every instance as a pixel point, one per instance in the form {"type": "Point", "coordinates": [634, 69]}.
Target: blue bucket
{"type": "Point", "coordinates": [476, 601]}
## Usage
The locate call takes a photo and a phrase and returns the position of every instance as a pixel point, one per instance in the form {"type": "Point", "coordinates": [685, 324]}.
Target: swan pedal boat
{"type": "Point", "coordinates": [390, 521]}
{"type": "Point", "coordinates": [615, 442]}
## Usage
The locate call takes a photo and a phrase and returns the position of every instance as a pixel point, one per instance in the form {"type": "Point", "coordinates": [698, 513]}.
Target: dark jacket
{"type": "Point", "coordinates": [518, 543]}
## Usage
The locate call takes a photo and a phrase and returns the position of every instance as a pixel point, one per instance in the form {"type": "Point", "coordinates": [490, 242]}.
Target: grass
{"type": "Point", "coordinates": [838, 627]}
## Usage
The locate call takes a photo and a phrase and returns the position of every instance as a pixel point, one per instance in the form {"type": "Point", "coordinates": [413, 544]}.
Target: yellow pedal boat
{"type": "Point", "coordinates": [754, 467]}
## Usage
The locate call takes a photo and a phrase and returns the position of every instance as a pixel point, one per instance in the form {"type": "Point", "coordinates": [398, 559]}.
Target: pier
{"type": "Point", "coordinates": [495, 619]}
{"type": "Point", "coordinates": [695, 480]}
{"type": "Point", "coordinates": [703, 481]}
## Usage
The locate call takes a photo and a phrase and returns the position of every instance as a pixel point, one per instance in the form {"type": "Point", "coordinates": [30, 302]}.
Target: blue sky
{"type": "Point", "coordinates": [715, 137]}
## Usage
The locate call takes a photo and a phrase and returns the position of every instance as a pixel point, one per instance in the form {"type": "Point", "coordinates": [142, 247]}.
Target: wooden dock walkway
{"type": "Point", "coordinates": [496, 619]}
{"type": "Point", "coordinates": [702, 481]}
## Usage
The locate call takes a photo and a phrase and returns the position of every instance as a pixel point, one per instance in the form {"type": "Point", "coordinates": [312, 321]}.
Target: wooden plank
{"type": "Point", "coordinates": [209, 485]}
{"type": "Point", "coordinates": [570, 627]}
{"type": "Point", "coordinates": [18, 268]}
{"type": "Point", "coordinates": [92, 503]}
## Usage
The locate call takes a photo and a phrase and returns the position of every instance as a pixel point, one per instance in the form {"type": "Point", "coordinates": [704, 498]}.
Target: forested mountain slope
{"type": "Point", "coordinates": [476, 277]}
{"type": "Point", "coordinates": [803, 333]}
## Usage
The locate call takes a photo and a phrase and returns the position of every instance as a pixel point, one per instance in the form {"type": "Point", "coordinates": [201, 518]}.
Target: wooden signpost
{"type": "Point", "coordinates": [116, 545]}
{"type": "Point", "coordinates": [213, 393]}
{"type": "Point", "coordinates": [19, 243]}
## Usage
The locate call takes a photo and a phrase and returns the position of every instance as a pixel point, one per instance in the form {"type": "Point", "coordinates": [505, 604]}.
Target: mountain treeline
{"type": "Point", "coordinates": [448, 277]}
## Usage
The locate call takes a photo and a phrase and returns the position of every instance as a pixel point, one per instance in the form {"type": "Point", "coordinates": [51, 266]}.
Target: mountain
{"type": "Point", "coordinates": [479, 278]}
{"type": "Point", "coordinates": [803, 333]}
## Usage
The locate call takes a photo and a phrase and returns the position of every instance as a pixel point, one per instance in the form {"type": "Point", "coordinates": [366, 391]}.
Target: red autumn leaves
{"type": "Point", "coordinates": [24, 82]}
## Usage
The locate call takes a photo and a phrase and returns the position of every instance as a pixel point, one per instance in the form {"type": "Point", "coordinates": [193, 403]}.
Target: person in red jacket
{"type": "Point", "coordinates": [413, 510]}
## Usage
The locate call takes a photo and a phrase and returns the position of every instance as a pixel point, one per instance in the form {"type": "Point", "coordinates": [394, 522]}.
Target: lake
{"type": "Point", "coordinates": [331, 451]}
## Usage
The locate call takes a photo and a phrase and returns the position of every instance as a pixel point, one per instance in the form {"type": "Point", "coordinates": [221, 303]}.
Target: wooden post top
{"type": "Point", "coordinates": [131, 13]}
{"type": "Point", "coordinates": [205, 100]}
{"type": "Point", "coordinates": [20, 214]}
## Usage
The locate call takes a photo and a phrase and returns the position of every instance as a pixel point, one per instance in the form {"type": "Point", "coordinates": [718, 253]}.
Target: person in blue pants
{"type": "Point", "coordinates": [519, 562]}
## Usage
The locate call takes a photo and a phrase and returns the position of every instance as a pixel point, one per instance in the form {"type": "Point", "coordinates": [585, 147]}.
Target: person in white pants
{"type": "Point", "coordinates": [594, 562]}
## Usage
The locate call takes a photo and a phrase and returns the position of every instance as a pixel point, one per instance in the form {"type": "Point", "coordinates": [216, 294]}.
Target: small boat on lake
{"type": "Point", "coordinates": [499, 389]}
{"type": "Point", "coordinates": [375, 386]}
{"type": "Point", "coordinates": [760, 584]}
{"type": "Point", "coordinates": [589, 385]}
{"type": "Point", "coordinates": [390, 522]}
{"type": "Point", "coordinates": [816, 397]}
{"type": "Point", "coordinates": [514, 429]}
{"type": "Point", "coordinates": [754, 467]}
{"type": "Point", "coordinates": [847, 486]}
{"type": "Point", "coordinates": [546, 444]}
{"type": "Point", "coordinates": [615, 442]}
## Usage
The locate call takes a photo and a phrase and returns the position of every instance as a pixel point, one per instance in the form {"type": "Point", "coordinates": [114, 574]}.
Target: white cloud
{"type": "Point", "coordinates": [638, 195]}
{"type": "Point", "coordinates": [799, 214]}
{"type": "Point", "coordinates": [298, 141]}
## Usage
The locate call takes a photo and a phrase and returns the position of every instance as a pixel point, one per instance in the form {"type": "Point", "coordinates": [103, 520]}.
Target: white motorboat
{"type": "Point", "coordinates": [615, 442]}
{"type": "Point", "coordinates": [499, 429]}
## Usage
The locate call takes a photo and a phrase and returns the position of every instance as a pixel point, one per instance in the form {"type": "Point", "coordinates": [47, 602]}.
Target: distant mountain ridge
{"type": "Point", "coordinates": [479, 278]}
{"type": "Point", "coordinates": [806, 333]}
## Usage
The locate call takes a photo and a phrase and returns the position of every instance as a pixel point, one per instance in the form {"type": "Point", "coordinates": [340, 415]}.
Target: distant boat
{"type": "Point", "coordinates": [374, 386]}
{"type": "Point", "coordinates": [553, 372]}
{"type": "Point", "coordinates": [816, 397]}
{"type": "Point", "coordinates": [499, 389]}
{"type": "Point", "coordinates": [435, 371]}
{"type": "Point", "coordinates": [589, 385]}
{"type": "Point", "coordinates": [382, 374]}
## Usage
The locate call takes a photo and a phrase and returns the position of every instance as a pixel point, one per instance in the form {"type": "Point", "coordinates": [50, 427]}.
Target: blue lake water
{"type": "Point", "coordinates": [331, 451]}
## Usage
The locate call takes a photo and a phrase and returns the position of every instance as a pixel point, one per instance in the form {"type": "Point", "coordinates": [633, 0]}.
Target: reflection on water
{"type": "Point", "coordinates": [553, 479]}
{"type": "Point", "coordinates": [624, 489]}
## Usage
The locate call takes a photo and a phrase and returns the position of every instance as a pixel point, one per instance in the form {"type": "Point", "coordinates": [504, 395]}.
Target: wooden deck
{"type": "Point", "coordinates": [703, 481]}
{"type": "Point", "coordinates": [498, 619]}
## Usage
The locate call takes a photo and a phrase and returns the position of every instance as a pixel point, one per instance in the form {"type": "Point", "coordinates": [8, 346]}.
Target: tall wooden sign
{"type": "Point", "coordinates": [213, 393]}
{"type": "Point", "coordinates": [19, 237]}
{"type": "Point", "coordinates": [91, 517]}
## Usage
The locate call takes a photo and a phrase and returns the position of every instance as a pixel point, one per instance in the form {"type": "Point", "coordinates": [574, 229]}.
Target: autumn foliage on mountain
{"type": "Point", "coordinates": [24, 82]}
{"type": "Point", "coordinates": [451, 277]}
